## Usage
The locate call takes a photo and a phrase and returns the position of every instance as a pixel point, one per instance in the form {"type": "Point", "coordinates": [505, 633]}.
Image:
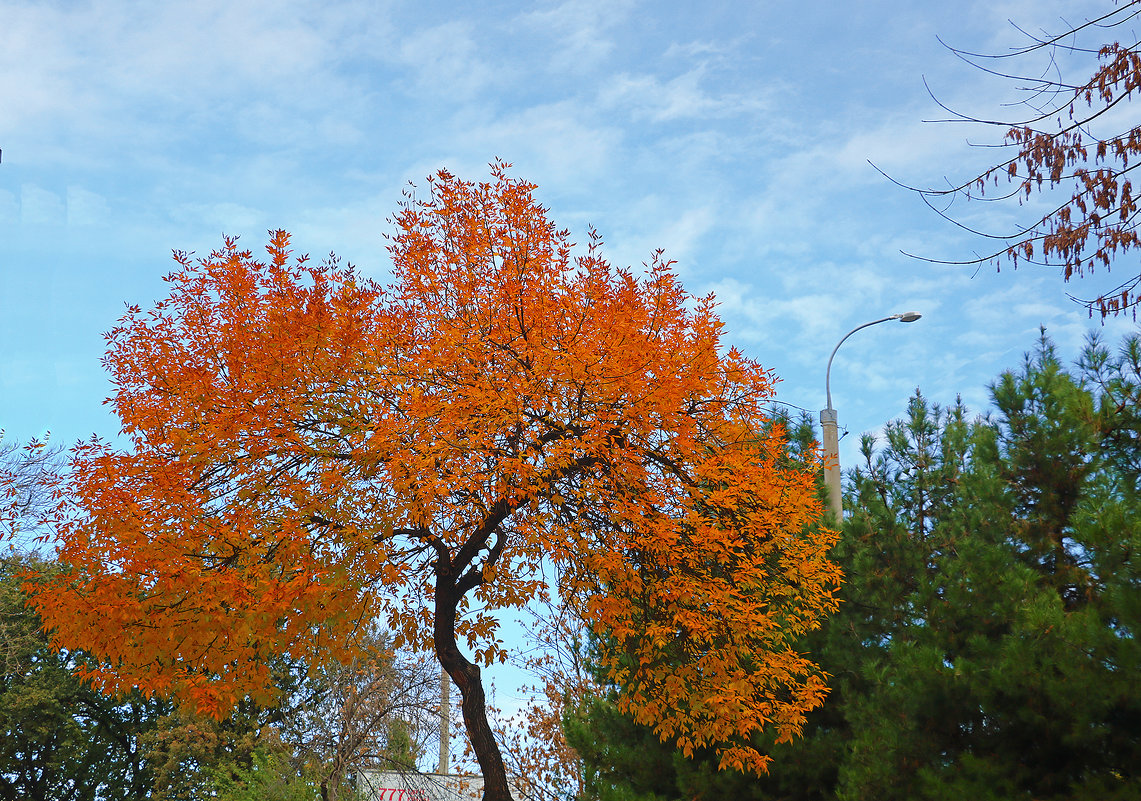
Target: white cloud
{"type": "Point", "coordinates": [40, 206]}
{"type": "Point", "coordinates": [702, 49]}
{"type": "Point", "coordinates": [774, 321]}
{"type": "Point", "coordinates": [157, 74]}
{"type": "Point", "coordinates": [682, 97]}
{"type": "Point", "coordinates": [681, 236]}
{"type": "Point", "coordinates": [580, 28]}
{"type": "Point", "coordinates": [85, 207]}
{"type": "Point", "coordinates": [9, 207]}
{"type": "Point", "coordinates": [228, 218]}
{"type": "Point", "coordinates": [550, 143]}
{"type": "Point", "coordinates": [444, 62]}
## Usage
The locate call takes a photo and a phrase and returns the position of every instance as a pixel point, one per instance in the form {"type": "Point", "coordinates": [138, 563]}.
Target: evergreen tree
{"type": "Point", "coordinates": [993, 561]}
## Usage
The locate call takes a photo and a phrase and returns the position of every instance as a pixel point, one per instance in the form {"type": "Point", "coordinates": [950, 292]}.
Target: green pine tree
{"type": "Point", "coordinates": [994, 559]}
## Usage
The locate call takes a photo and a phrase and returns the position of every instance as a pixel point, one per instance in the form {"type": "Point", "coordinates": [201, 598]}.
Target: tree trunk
{"type": "Point", "coordinates": [466, 676]}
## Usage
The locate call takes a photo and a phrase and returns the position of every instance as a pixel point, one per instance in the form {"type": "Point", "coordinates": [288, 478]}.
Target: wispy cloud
{"type": "Point", "coordinates": [581, 32]}
{"type": "Point", "coordinates": [40, 206]}
{"type": "Point", "coordinates": [658, 99]}
{"type": "Point", "coordinates": [444, 62]}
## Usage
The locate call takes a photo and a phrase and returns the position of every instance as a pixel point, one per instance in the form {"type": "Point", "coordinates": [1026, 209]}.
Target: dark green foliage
{"type": "Point", "coordinates": [59, 739]}
{"type": "Point", "coordinates": [986, 647]}
{"type": "Point", "coordinates": [994, 559]}
{"type": "Point", "coordinates": [269, 777]}
{"type": "Point", "coordinates": [622, 760]}
{"type": "Point", "coordinates": [400, 751]}
{"type": "Point", "coordinates": [190, 756]}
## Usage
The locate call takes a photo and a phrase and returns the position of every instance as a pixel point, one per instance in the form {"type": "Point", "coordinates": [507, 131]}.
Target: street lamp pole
{"type": "Point", "coordinates": [828, 421]}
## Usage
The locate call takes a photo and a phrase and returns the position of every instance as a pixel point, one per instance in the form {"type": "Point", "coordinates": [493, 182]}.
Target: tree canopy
{"type": "Point", "coordinates": [310, 450]}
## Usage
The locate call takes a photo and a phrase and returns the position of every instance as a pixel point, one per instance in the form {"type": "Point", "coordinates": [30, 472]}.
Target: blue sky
{"type": "Point", "coordinates": [735, 136]}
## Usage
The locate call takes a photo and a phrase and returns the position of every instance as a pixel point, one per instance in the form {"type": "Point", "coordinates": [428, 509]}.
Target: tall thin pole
{"type": "Point", "coordinates": [829, 427]}
{"type": "Point", "coordinates": [445, 721]}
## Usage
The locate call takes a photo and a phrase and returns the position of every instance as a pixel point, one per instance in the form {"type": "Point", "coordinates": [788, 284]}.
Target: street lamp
{"type": "Point", "coordinates": [828, 421]}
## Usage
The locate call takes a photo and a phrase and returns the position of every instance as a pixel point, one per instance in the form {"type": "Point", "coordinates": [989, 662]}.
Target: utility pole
{"type": "Point", "coordinates": [445, 722]}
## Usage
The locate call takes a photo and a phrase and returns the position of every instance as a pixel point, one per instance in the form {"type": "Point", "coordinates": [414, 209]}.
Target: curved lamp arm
{"type": "Point", "coordinates": [903, 317]}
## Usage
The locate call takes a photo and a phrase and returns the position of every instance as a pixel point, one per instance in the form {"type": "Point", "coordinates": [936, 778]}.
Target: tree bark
{"type": "Point", "coordinates": [466, 676]}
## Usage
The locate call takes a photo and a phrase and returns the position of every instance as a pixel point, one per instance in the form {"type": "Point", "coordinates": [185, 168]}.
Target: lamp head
{"type": "Point", "coordinates": [907, 317]}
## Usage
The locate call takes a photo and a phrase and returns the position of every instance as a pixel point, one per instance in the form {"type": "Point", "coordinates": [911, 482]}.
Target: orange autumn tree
{"type": "Point", "coordinates": [310, 450]}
